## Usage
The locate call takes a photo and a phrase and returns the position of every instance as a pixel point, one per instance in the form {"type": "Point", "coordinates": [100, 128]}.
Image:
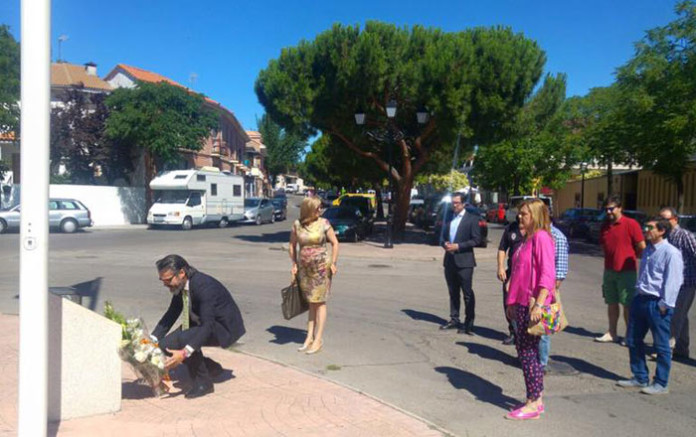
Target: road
{"type": "Point", "coordinates": [382, 334]}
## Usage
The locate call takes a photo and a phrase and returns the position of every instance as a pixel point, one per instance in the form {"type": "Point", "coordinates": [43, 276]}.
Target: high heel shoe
{"type": "Point", "coordinates": [315, 350]}
{"type": "Point", "coordinates": [304, 347]}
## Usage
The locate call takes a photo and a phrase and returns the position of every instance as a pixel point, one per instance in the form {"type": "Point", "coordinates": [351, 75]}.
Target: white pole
{"type": "Point", "coordinates": [33, 250]}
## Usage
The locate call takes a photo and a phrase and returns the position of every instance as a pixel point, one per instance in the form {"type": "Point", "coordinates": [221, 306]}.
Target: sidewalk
{"type": "Point", "coordinates": [256, 398]}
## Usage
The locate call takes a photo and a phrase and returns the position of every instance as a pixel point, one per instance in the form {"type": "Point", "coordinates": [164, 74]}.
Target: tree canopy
{"type": "Point", "coordinates": [472, 83]}
{"type": "Point", "coordinates": [283, 148]}
{"type": "Point", "coordinates": [9, 81]}
{"type": "Point", "coordinates": [160, 117]}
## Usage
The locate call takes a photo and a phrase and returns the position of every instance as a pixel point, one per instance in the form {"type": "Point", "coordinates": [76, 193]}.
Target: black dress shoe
{"type": "Point", "coordinates": [510, 339]}
{"type": "Point", "coordinates": [468, 330]}
{"type": "Point", "coordinates": [214, 368]}
{"type": "Point", "coordinates": [199, 390]}
{"type": "Point", "coordinates": [452, 324]}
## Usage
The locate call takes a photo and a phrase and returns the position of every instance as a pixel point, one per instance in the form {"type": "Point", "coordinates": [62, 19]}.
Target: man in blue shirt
{"type": "Point", "coordinates": [660, 277]}
{"type": "Point", "coordinates": [561, 260]}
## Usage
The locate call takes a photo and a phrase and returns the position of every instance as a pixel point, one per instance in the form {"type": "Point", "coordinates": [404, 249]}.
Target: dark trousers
{"type": "Point", "coordinates": [680, 320]}
{"type": "Point", "coordinates": [460, 279]}
{"type": "Point", "coordinates": [511, 322]}
{"type": "Point", "coordinates": [196, 363]}
{"type": "Point", "coordinates": [645, 316]}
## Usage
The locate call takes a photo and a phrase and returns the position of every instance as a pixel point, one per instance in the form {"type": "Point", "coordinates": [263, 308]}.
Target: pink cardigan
{"type": "Point", "coordinates": [544, 270]}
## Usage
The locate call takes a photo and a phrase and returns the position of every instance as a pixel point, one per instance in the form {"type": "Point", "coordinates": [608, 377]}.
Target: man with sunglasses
{"type": "Point", "coordinates": [210, 318]}
{"type": "Point", "coordinates": [622, 242]}
{"type": "Point", "coordinates": [659, 280]}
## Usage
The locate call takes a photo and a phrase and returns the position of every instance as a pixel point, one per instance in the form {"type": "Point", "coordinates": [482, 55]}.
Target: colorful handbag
{"type": "Point", "coordinates": [553, 319]}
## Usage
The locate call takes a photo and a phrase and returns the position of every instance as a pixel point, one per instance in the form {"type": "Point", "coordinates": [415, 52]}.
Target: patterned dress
{"type": "Point", "coordinates": [314, 271]}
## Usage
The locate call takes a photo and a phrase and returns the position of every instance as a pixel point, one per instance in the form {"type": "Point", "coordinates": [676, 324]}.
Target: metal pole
{"type": "Point", "coordinates": [582, 190]}
{"type": "Point", "coordinates": [33, 251]}
{"type": "Point", "coordinates": [388, 244]}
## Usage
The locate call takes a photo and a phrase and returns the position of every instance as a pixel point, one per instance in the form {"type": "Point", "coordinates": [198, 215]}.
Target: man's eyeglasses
{"type": "Point", "coordinates": [167, 280]}
{"type": "Point", "coordinates": [610, 208]}
{"type": "Point", "coordinates": [647, 228]}
{"type": "Point", "coordinates": [454, 202]}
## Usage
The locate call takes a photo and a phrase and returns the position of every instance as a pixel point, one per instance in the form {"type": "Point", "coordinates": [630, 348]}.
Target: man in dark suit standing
{"type": "Point", "coordinates": [210, 318]}
{"type": "Point", "coordinates": [461, 235]}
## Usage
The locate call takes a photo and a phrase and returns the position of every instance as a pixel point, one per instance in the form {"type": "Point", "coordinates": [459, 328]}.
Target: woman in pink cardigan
{"type": "Point", "coordinates": [531, 286]}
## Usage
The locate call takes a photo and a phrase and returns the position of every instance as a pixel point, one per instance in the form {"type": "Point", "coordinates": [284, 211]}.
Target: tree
{"type": "Point", "coordinates": [659, 90]}
{"type": "Point", "coordinates": [162, 118]}
{"type": "Point", "coordinates": [283, 148]}
{"type": "Point", "coordinates": [472, 83]}
{"type": "Point", "coordinates": [9, 82]}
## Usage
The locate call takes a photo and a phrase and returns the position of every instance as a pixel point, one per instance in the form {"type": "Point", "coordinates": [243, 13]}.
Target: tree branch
{"type": "Point", "coordinates": [383, 165]}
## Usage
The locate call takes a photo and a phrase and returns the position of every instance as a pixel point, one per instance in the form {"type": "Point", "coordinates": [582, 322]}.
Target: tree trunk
{"type": "Point", "coordinates": [610, 179]}
{"type": "Point", "coordinates": [403, 200]}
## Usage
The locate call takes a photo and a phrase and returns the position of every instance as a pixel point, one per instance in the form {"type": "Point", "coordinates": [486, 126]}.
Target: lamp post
{"type": "Point", "coordinates": [583, 169]}
{"type": "Point", "coordinates": [390, 135]}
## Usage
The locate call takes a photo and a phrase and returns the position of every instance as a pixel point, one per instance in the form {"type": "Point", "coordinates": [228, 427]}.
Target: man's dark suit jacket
{"type": "Point", "coordinates": [467, 237]}
{"type": "Point", "coordinates": [218, 314]}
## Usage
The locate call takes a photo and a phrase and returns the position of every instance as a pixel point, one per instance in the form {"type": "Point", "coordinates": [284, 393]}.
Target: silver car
{"type": "Point", "coordinates": [258, 210]}
{"type": "Point", "coordinates": [68, 215]}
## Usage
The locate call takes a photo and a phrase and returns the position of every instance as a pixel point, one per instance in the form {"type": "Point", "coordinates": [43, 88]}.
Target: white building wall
{"type": "Point", "coordinates": [120, 80]}
{"type": "Point", "coordinates": [109, 205]}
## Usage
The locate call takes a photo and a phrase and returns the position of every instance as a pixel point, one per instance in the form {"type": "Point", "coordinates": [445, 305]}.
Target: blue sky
{"type": "Point", "coordinates": [227, 42]}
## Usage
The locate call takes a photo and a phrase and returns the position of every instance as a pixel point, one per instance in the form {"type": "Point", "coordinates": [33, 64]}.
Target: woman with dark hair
{"type": "Point", "coordinates": [531, 287]}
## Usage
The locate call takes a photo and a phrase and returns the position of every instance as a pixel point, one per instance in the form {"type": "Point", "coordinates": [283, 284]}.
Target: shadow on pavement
{"type": "Point", "coordinates": [425, 317]}
{"type": "Point", "coordinates": [489, 333]}
{"type": "Point", "coordinates": [582, 332]}
{"type": "Point", "coordinates": [491, 353]}
{"type": "Point", "coordinates": [483, 390]}
{"type": "Point", "coordinates": [278, 237]}
{"type": "Point", "coordinates": [285, 335]}
{"type": "Point", "coordinates": [135, 390]}
{"type": "Point", "coordinates": [89, 289]}
{"type": "Point", "coordinates": [583, 366]}
{"type": "Point", "coordinates": [583, 248]}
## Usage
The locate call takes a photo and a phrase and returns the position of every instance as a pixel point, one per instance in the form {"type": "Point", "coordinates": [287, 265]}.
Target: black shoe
{"type": "Point", "coordinates": [452, 324]}
{"type": "Point", "coordinates": [510, 339]}
{"type": "Point", "coordinates": [199, 390]}
{"type": "Point", "coordinates": [214, 368]}
{"type": "Point", "coordinates": [468, 330]}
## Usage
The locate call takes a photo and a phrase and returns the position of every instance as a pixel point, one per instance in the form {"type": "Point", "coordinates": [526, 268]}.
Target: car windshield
{"type": "Point", "coordinates": [174, 196]}
{"type": "Point", "coordinates": [339, 213]}
{"type": "Point", "coordinates": [251, 203]}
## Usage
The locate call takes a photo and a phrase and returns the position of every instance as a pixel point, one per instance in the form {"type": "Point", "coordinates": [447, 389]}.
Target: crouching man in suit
{"type": "Point", "coordinates": [210, 318]}
{"type": "Point", "coordinates": [462, 235]}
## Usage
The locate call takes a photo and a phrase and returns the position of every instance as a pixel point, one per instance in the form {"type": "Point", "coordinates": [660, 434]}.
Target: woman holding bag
{"type": "Point", "coordinates": [312, 267]}
{"type": "Point", "coordinates": [531, 287]}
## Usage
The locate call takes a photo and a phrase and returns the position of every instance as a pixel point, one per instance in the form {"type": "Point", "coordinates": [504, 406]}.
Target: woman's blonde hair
{"type": "Point", "coordinates": [540, 215]}
{"type": "Point", "coordinates": [309, 211]}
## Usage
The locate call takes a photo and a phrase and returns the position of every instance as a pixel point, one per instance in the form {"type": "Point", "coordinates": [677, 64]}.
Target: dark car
{"type": "Point", "coordinates": [594, 226]}
{"type": "Point", "coordinates": [348, 222]}
{"type": "Point", "coordinates": [444, 215]}
{"type": "Point", "coordinates": [688, 222]}
{"type": "Point", "coordinates": [328, 198]}
{"type": "Point", "coordinates": [280, 207]}
{"type": "Point", "coordinates": [428, 216]}
{"type": "Point", "coordinates": [365, 207]}
{"type": "Point", "coordinates": [574, 222]}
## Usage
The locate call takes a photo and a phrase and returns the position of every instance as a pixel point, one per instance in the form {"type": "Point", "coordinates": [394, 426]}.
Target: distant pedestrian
{"type": "Point", "coordinates": [462, 234]}
{"type": "Point", "coordinates": [561, 263]}
{"type": "Point", "coordinates": [532, 282]}
{"type": "Point", "coordinates": [683, 240]}
{"type": "Point", "coordinates": [622, 242]}
{"type": "Point", "coordinates": [313, 268]}
{"type": "Point", "coordinates": [511, 240]}
{"type": "Point", "coordinates": [660, 278]}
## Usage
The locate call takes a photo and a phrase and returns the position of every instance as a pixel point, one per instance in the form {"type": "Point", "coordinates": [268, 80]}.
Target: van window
{"type": "Point", "coordinates": [200, 178]}
{"type": "Point", "coordinates": [180, 176]}
{"type": "Point", "coordinates": [194, 199]}
{"type": "Point", "coordinates": [237, 191]}
{"type": "Point", "coordinates": [213, 189]}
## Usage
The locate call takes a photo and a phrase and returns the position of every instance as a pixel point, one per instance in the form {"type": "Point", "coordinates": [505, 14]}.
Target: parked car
{"type": "Point", "coordinates": [688, 222]}
{"type": "Point", "coordinates": [496, 213]}
{"type": "Point", "coordinates": [329, 198]}
{"type": "Point", "coordinates": [444, 215]}
{"type": "Point", "coordinates": [364, 203]}
{"type": "Point", "coordinates": [280, 207]}
{"type": "Point", "coordinates": [594, 226]}
{"type": "Point", "coordinates": [68, 215]}
{"type": "Point", "coordinates": [574, 222]}
{"type": "Point", "coordinates": [348, 222]}
{"type": "Point", "coordinates": [258, 210]}
{"type": "Point", "coordinates": [416, 210]}
{"type": "Point", "coordinates": [514, 204]}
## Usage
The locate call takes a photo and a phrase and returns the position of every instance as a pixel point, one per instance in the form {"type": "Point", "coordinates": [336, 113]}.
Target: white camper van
{"type": "Point", "coordinates": [195, 197]}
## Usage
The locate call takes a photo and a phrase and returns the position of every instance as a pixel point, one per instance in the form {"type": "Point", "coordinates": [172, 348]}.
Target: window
{"type": "Point", "coordinates": [200, 178]}
{"type": "Point", "coordinates": [237, 191]}
{"type": "Point", "coordinates": [180, 176]}
{"type": "Point", "coordinates": [213, 189]}
{"type": "Point", "coordinates": [195, 199]}
{"type": "Point", "coordinates": [68, 205]}
{"type": "Point", "coordinates": [52, 205]}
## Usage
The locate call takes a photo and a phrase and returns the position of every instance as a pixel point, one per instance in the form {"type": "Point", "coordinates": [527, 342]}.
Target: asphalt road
{"type": "Point", "coordinates": [382, 335]}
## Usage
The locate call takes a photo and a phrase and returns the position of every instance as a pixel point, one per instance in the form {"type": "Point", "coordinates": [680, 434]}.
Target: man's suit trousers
{"type": "Point", "coordinates": [460, 279]}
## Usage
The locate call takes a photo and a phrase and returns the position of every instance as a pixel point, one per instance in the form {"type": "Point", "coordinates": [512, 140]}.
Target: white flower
{"type": "Point", "coordinates": [140, 356]}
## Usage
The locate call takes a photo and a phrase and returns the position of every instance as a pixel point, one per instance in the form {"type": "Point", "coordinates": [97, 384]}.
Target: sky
{"type": "Point", "coordinates": [218, 47]}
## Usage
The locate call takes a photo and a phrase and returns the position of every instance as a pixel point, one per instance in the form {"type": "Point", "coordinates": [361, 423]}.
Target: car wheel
{"type": "Point", "coordinates": [259, 222]}
{"type": "Point", "coordinates": [223, 222]}
{"type": "Point", "coordinates": [3, 226]}
{"type": "Point", "coordinates": [273, 218]}
{"type": "Point", "coordinates": [68, 226]}
{"type": "Point", "coordinates": [187, 224]}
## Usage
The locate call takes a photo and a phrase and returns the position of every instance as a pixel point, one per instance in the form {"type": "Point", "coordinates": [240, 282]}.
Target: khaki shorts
{"type": "Point", "coordinates": [619, 287]}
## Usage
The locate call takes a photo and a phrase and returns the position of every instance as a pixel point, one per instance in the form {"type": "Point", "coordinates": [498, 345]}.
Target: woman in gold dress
{"type": "Point", "coordinates": [313, 268]}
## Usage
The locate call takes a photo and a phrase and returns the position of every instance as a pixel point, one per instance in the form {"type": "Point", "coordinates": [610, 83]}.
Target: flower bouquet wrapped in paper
{"type": "Point", "coordinates": [138, 350]}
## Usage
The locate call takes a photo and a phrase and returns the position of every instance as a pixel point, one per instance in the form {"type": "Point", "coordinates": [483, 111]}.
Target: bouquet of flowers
{"type": "Point", "coordinates": [138, 350]}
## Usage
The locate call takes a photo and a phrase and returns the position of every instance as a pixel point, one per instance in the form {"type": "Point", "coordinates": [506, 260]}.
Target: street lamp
{"type": "Point", "coordinates": [389, 136]}
{"type": "Point", "coordinates": [583, 169]}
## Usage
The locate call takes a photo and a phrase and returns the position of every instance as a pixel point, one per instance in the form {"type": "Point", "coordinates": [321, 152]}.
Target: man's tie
{"type": "Point", "coordinates": [185, 312]}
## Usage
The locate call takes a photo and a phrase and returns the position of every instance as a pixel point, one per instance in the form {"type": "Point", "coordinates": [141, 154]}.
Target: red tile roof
{"type": "Point", "coordinates": [147, 76]}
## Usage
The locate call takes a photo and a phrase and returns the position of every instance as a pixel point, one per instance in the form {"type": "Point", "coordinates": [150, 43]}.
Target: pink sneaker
{"type": "Point", "coordinates": [518, 414]}
{"type": "Point", "coordinates": [520, 406]}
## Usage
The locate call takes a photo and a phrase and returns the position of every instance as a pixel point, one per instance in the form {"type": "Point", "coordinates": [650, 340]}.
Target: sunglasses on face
{"type": "Point", "coordinates": [610, 208]}
{"type": "Point", "coordinates": [648, 228]}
